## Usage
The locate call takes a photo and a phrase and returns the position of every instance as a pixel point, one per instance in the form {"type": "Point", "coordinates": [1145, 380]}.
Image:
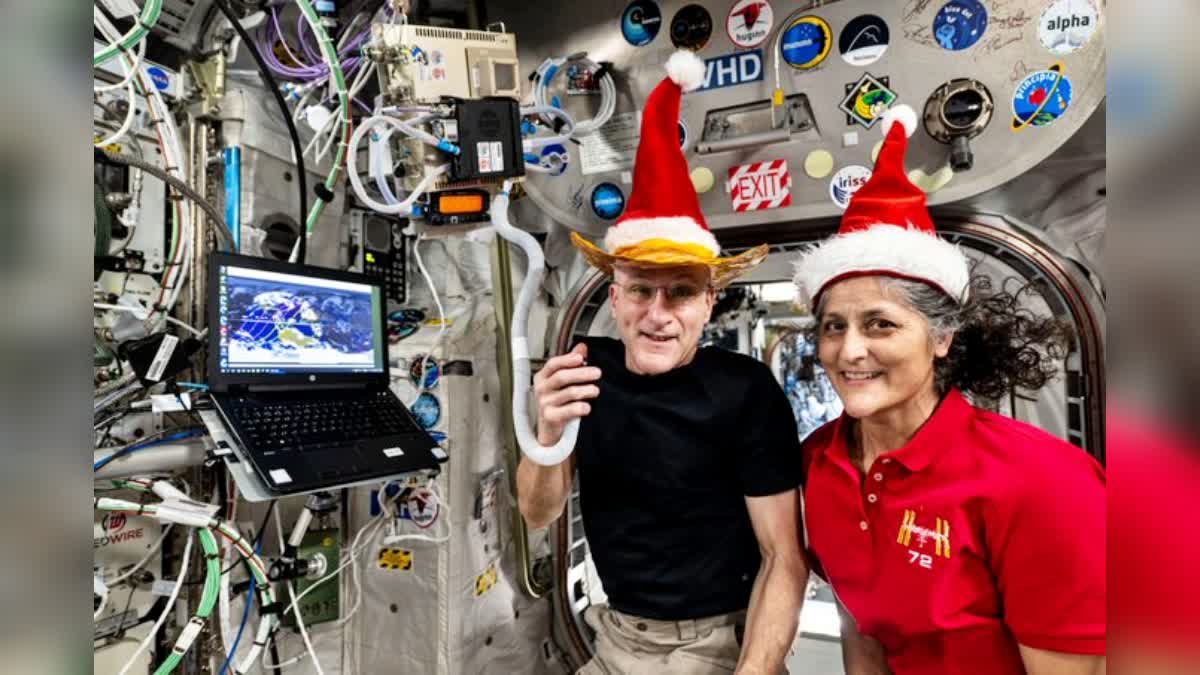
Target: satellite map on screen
{"type": "Point", "coordinates": [270, 323]}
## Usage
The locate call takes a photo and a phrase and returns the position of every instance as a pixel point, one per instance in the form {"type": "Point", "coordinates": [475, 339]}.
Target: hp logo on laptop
{"type": "Point", "coordinates": [312, 378]}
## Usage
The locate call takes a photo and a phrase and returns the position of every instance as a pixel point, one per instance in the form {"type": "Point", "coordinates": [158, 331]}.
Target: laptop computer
{"type": "Point", "coordinates": [298, 370]}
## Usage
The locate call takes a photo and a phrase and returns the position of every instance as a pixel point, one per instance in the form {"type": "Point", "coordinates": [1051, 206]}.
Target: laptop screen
{"type": "Point", "coordinates": [278, 323]}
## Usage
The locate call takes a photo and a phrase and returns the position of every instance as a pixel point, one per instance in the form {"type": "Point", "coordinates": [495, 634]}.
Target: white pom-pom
{"type": "Point", "coordinates": [686, 70]}
{"type": "Point", "coordinates": [903, 114]}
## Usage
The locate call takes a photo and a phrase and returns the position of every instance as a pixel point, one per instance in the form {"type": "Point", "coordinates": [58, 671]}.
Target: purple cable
{"type": "Point", "coordinates": [272, 32]}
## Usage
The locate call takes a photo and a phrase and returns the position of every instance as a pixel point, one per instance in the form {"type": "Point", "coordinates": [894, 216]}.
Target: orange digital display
{"type": "Point", "coordinates": [458, 204]}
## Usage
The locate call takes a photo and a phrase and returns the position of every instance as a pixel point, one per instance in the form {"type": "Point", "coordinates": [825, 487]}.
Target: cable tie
{"type": "Point", "coordinates": [323, 193]}
{"type": "Point", "coordinates": [273, 608]}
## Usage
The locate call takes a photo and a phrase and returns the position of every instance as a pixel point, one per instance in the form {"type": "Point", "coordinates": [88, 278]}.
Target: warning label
{"type": "Point", "coordinates": [612, 146]}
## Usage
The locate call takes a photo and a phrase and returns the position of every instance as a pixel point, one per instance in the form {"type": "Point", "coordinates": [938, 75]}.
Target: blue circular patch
{"type": "Point", "coordinates": [1041, 98]}
{"type": "Point", "coordinates": [432, 372]}
{"type": "Point", "coordinates": [683, 135]}
{"type": "Point", "coordinates": [691, 27]}
{"type": "Point", "coordinates": [608, 201]}
{"type": "Point", "coordinates": [555, 157]}
{"type": "Point", "coordinates": [427, 410]}
{"type": "Point", "coordinates": [640, 22]}
{"type": "Point", "coordinates": [806, 42]}
{"type": "Point", "coordinates": [959, 24]}
{"type": "Point", "coordinates": [159, 77]}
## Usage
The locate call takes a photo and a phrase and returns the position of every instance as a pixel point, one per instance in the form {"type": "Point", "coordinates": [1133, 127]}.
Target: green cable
{"type": "Point", "coordinates": [208, 599]}
{"type": "Point", "coordinates": [141, 26]}
{"type": "Point", "coordinates": [212, 577]}
{"type": "Point", "coordinates": [339, 80]}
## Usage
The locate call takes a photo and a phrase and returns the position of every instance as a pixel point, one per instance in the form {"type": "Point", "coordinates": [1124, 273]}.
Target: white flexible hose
{"type": "Point", "coordinates": [166, 613]}
{"type": "Point", "coordinates": [536, 452]}
{"type": "Point", "coordinates": [403, 208]}
{"type": "Point", "coordinates": [608, 92]}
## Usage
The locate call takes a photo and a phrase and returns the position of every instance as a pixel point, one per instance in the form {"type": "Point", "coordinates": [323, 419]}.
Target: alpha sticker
{"type": "Point", "coordinates": [864, 40]}
{"type": "Point", "coordinates": [608, 201]}
{"type": "Point", "coordinates": [1041, 98]}
{"type": "Point", "coordinates": [1067, 25]}
{"type": "Point", "coordinates": [846, 182]}
{"type": "Point", "coordinates": [732, 69]}
{"type": "Point", "coordinates": [959, 24]}
{"type": "Point", "coordinates": [806, 42]}
{"type": "Point", "coordinates": [691, 27]}
{"type": "Point", "coordinates": [427, 409]}
{"type": "Point", "coordinates": [395, 559]}
{"type": "Point", "coordinates": [866, 100]}
{"type": "Point", "coordinates": [761, 185]}
{"type": "Point", "coordinates": [640, 22]}
{"type": "Point", "coordinates": [749, 22]}
{"type": "Point", "coordinates": [433, 372]}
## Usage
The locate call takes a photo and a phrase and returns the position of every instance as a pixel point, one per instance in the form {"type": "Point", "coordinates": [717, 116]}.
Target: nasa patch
{"type": "Point", "coordinates": [608, 201]}
{"type": "Point", "coordinates": [427, 409]}
{"type": "Point", "coordinates": [846, 182]}
{"type": "Point", "coordinates": [959, 24]}
{"type": "Point", "coordinates": [866, 100]}
{"type": "Point", "coordinates": [749, 22]}
{"type": "Point", "coordinates": [806, 42]}
{"type": "Point", "coordinates": [159, 77]}
{"type": "Point", "coordinates": [1067, 25]}
{"type": "Point", "coordinates": [640, 22]}
{"type": "Point", "coordinates": [691, 27]}
{"type": "Point", "coordinates": [1041, 98]}
{"type": "Point", "coordinates": [863, 40]}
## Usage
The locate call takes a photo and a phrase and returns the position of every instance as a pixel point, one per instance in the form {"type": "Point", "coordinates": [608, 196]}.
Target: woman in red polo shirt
{"type": "Point", "coordinates": [956, 540]}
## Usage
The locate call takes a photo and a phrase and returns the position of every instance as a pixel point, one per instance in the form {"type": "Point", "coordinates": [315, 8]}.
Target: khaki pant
{"type": "Point", "coordinates": [629, 645]}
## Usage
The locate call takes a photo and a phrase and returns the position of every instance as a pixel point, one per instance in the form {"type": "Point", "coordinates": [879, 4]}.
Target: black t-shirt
{"type": "Point", "coordinates": [665, 463]}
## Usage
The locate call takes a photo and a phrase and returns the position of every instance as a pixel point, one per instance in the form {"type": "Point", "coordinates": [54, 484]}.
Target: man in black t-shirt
{"type": "Point", "coordinates": [688, 463]}
{"type": "Point", "coordinates": [688, 458]}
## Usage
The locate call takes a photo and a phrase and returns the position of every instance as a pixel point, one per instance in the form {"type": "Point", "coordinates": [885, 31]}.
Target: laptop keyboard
{"type": "Point", "coordinates": [311, 425]}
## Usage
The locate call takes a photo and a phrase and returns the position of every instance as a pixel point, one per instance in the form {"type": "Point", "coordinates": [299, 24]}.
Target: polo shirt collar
{"type": "Point", "coordinates": [939, 433]}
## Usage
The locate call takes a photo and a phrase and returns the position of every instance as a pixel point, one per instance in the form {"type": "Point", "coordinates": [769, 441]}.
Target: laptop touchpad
{"type": "Point", "coordinates": [343, 460]}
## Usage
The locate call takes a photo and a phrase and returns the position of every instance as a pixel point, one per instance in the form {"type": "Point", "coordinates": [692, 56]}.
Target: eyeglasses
{"type": "Point", "coordinates": [676, 295]}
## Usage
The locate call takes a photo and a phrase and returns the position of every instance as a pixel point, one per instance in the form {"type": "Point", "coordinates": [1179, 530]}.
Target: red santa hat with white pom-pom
{"type": "Point", "coordinates": [662, 225]}
{"type": "Point", "coordinates": [886, 230]}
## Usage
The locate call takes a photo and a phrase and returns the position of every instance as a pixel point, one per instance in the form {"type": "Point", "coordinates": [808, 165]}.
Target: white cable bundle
{"type": "Point", "coordinates": [608, 91]}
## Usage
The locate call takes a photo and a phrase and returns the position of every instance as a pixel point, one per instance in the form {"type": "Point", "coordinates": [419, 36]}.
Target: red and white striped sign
{"type": "Point", "coordinates": [762, 185]}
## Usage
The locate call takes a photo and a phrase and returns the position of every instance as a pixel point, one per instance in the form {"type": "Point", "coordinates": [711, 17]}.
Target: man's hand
{"type": "Point", "coordinates": [563, 387]}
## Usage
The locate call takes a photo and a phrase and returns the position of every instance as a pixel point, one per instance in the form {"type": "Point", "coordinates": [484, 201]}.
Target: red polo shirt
{"type": "Point", "coordinates": [981, 533]}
